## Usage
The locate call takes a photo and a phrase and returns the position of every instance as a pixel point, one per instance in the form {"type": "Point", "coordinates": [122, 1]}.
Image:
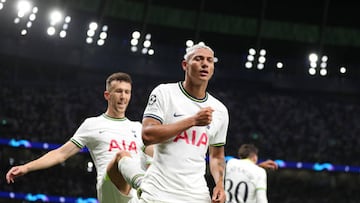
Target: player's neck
{"type": "Point", "coordinates": [195, 90]}
{"type": "Point", "coordinates": [114, 114]}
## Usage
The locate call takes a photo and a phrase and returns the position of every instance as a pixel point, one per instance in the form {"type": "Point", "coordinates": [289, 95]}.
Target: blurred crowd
{"type": "Point", "coordinates": [284, 124]}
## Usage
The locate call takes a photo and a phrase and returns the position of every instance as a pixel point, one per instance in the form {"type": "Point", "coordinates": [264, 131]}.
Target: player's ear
{"type": "Point", "coordinates": [106, 95]}
{"type": "Point", "coordinates": [184, 64]}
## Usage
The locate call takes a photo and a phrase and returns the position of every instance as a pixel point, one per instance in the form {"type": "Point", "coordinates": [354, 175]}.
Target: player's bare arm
{"type": "Point", "coordinates": [217, 168]}
{"type": "Point", "coordinates": [48, 160]}
{"type": "Point", "coordinates": [154, 132]}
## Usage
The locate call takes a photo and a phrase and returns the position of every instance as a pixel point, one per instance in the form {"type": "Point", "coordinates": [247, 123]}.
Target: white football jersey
{"type": "Point", "coordinates": [245, 182]}
{"type": "Point", "coordinates": [104, 136]}
{"type": "Point", "coordinates": [178, 168]}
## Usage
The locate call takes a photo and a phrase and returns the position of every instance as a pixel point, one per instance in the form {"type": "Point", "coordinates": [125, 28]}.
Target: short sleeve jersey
{"type": "Point", "coordinates": [243, 179]}
{"type": "Point", "coordinates": [178, 168]}
{"type": "Point", "coordinates": [104, 136]}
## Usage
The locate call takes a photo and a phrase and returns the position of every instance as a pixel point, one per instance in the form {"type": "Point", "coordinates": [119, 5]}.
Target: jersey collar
{"type": "Point", "coordinates": [113, 119]}
{"type": "Point", "coordinates": [191, 97]}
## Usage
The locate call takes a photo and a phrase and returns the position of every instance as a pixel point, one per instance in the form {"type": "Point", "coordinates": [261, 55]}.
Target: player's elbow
{"type": "Point", "coordinates": [147, 139]}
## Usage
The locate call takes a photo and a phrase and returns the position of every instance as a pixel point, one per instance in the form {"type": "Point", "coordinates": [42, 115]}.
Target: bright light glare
{"type": "Point", "coordinates": [32, 17]}
{"type": "Point", "coordinates": [89, 40]}
{"type": "Point", "coordinates": [103, 35]}
{"type": "Point", "coordinates": [313, 57]}
{"type": "Point", "coordinates": [134, 42]}
{"type": "Point", "coordinates": [323, 72]}
{"type": "Point", "coordinates": [93, 26]}
{"type": "Point", "coordinates": [279, 65]}
{"type": "Point", "coordinates": [260, 66]}
{"type": "Point", "coordinates": [29, 24]}
{"type": "Point", "coordinates": [100, 42]}
{"type": "Point", "coordinates": [250, 57]}
{"type": "Point", "coordinates": [262, 59]}
{"type": "Point", "coordinates": [90, 33]}
{"type": "Point", "coordinates": [62, 34]}
{"type": "Point", "coordinates": [144, 50]}
{"type": "Point", "coordinates": [133, 49]}
{"type": "Point", "coordinates": [262, 52]}
{"type": "Point", "coordinates": [342, 69]}
{"type": "Point", "coordinates": [248, 65]}
{"type": "Point", "coordinates": [67, 19]}
{"type": "Point", "coordinates": [252, 51]}
{"type": "Point", "coordinates": [35, 9]}
{"type": "Point", "coordinates": [136, 35]}
{"type": "Point", "coordinates": [312, 71]}
{"type": "Point", "coordinates": [51, 31]}
{"type": "Point", "coordinates": [17, 20]}
{"type": "Point", "coordinates": [151, 52]}
{"type": "Point", "coordinates": [55, 17]}
{"type": "Point", "coordinates": [147, 43]}
{"type": "Point", "coordinates": [23, 32]}
{"type": "Point", "coordinates": [23, 7]}
{"type": "Point", "coordinates": [189, 43]}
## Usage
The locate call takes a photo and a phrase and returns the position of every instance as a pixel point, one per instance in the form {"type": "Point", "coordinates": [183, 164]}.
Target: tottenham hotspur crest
{"type": "Point", "coordinates": [152, 99]}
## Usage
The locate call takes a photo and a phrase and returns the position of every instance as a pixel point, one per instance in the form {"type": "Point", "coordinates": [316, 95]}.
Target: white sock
{"type": "Point", "coordinates": [131, 171]}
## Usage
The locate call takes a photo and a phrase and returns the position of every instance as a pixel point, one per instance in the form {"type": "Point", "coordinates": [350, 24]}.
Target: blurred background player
{"type": "Point", "coordinates": [104, 136]}
{"type": "Point", "coordinates": [244, 180]}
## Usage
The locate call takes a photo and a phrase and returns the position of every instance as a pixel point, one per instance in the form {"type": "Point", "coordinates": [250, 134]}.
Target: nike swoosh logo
{"type": "Point", "coordinates": [178, 115]}
{"type": "Point", "coordinates": [101, 131]}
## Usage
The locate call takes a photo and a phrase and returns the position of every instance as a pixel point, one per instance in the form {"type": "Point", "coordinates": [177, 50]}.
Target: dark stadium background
{"type": "Point", "coordinates": [49, 85]}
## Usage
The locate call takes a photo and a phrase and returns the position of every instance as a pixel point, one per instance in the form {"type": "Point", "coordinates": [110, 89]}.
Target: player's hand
{"type": "Point", "coordinates": [14, 172]}
{"type": "Point", "coordinates": [218, 195]}
{"type": "Point", "coordinates": [204, 116]}
{"type": "Point", "coordinates": [269, 164]}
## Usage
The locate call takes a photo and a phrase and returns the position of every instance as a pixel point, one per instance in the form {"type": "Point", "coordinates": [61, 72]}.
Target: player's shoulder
{"type": "Point", "coordinates": [166, 86]}
{"type": "Point", "coordinates": [217, 103]}
{"type": "Point", "coordinates": [93, 119]}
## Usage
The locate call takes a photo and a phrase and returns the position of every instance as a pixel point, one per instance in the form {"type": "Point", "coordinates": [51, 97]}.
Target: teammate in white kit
{"type": "Point", "coordinates": [184, 121]}
{"type": "Point", "coordinates": [104, 136]}
{"type": "Point", "coordinates": [245, 182]}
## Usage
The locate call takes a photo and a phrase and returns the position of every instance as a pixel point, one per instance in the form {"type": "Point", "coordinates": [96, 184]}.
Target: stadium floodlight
{"type": "Point", "coordinates": [252, 56]}
{"type": "Point", "coordinates": [23, 32]}
{"type": "Point", "coordinates": [314, 63]}
{"type": "Point", "coordinates": [262, 52]}
{"type": "Point", "coordinates": [92, 34]}
{"type": "Point", "coordinates": [58, 22]}
{"type": "Point", "coordinates": [23, 7]}
{"type": "Point", "coordinates": [136, 35]}
{"type": "Point", "coordinates": [103, 35]}
{"type": "Point", "coordinates": [55, 17]}
{"type": "Point", "coordinates": [51, 31]}
{"type": "Point", "coordinates": [62, 34]}
{"type": "Point", "coordinates": [100, 42]}
{"type": "Point", "coordinates": [260, 66]}
{"type": "Point", "coordinates": [312, 71]}
{"type": "Point", "coordinates": [146, 44]}
{"type": "Point", "coordinates": [279, 65]}
{"type": "Point", "coordinates": [252, 51]}
{"type": "Point", "coordinates": [343, 69]}
{"type": "Point", "coordinates": [25, 10]}
{"type": "Point", "coordinates": [189, 43]}
{"type": "Point", "coordinates": [323, 72]}
{"type": "Point", "coordinates": [248, 65]}
{"type": "Point", "coordinates": [313, 57]}
{"type": "Point", "coordinates": [151, 52]}
{"type": "Point", "coordinates": [32, 17]}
